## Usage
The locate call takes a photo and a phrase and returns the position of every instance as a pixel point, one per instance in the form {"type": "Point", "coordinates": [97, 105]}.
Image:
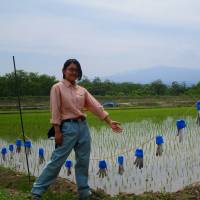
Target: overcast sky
{"type": "Point", "coordinates": [106, 36]}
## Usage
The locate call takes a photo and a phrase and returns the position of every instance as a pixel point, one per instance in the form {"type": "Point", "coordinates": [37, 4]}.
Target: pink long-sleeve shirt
{"type": "Point", "coordinates": [68, 101]}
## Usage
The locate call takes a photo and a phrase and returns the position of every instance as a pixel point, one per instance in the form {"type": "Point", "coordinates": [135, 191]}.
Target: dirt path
{"type": "Point", "coordinates": [16, 183]}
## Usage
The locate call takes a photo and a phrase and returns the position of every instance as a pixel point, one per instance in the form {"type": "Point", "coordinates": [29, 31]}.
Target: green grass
{"type": "Point", "coordinates": [6, 196]}
{"type": "Point", "coordinates": [16, 187]}
{"type": "Point", "coordinates": [36, 123]}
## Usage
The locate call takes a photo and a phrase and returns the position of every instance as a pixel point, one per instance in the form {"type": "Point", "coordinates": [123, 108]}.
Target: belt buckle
{"type": "Point", "coordinates": [79, 120]}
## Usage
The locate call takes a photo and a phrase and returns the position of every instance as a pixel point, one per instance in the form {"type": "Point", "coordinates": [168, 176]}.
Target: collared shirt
{"type": "Point", "coordinates": [67, 101]}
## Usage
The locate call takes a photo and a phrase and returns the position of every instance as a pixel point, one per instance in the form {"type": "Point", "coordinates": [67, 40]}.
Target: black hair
{"type": "Point", "coordinates": [74, 61]}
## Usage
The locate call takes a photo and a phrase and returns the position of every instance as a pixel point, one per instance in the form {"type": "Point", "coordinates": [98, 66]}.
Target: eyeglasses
{"type": "Point", "coordinates": [72, 70]}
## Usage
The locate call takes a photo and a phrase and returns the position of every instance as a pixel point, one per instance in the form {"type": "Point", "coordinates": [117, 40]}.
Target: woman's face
{"type": "Point", "coordinates": [71, 72]}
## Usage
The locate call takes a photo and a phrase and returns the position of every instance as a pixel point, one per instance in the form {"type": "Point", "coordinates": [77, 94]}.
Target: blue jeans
{"type": "Point", "coordinates": [76, 135]}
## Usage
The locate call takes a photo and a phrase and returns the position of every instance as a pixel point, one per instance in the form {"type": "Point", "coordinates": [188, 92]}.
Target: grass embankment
{"type": "Point", "coordinates": [42, 102]}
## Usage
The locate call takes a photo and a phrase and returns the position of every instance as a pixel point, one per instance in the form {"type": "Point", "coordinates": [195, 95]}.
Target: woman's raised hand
{"type": "Point", "coordinates": [116, 126]}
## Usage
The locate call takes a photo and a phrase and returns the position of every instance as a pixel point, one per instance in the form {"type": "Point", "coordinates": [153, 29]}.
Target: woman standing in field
{"type": "Point", "coordinates": [67, 101]}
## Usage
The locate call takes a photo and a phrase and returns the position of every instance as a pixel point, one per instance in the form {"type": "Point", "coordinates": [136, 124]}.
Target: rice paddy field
{"type": "Point", "coordinates": [36, 123]}
{"type": "Point", "coordinates": [177, 167]}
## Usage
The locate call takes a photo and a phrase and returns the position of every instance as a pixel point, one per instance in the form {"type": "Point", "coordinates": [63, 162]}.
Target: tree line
{"type": "Point", "coordinates": [34, 84]}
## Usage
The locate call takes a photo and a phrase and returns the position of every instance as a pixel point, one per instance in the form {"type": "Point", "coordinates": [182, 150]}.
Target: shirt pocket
{"type": "Point", "coordinates": [80, 99]}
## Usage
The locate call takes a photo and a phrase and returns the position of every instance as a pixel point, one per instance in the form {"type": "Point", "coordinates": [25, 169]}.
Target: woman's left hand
{"type": "Point", "coordinates": [113, 124]}
{"type": "Point", "coordinates": [116, 126]}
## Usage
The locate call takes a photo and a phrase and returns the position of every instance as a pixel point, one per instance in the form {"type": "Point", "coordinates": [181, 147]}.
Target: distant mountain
{"type": "Point", "coordinates": [166, 74]}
